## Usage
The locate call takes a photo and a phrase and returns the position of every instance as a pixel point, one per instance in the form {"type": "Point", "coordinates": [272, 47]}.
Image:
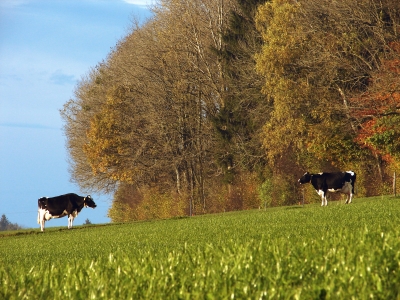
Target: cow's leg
{"type": "Point", "coordinates": [324, 200]}
{"type": "Point", "coordinates": [349, 193]}
{"type": "Point", "coordinates": [41, 218]}
{"type": "Point", "coordinates": [322, 195]}
{"type": "Point", "coordinates": [70, 220]}
{"type": "Point", "coordinates": [347, 198]}
{"type": "Point", "coordinates": [350, 196]}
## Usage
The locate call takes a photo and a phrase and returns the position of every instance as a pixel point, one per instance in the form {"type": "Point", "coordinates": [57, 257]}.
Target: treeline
{"type": "Point", "coordinates": [222, 105]}
{"type": "Point", "coordinates": [5, 224]}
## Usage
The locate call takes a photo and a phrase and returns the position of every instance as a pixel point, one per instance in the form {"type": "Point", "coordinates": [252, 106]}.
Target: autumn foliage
{"type": "Point", "coordinates": [377, 111]}
{"type": "Point", "coordinates": [212, 106]}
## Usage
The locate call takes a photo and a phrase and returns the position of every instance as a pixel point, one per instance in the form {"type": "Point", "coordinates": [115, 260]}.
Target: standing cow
{"type": "Point", "coordinates": [66, 205]}
{"type": "Point", "coordinates": [342, 182]}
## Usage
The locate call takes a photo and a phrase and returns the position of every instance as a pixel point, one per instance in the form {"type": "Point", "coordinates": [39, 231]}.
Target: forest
{"type": "Point", "coordinates": [221, 105]}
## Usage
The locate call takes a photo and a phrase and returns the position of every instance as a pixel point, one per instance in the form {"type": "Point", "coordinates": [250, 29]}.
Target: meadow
{"type": "Point", "coordinates": [311, 252]}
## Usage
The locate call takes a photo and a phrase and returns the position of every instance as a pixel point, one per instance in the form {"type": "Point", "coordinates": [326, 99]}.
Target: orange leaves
{"type": "Point", "coordinates": [378, 110]}
{"type": "Point", "coordinates": [375, 104]}
{"type": "Point", "coordinates": [393, 65]}
{"type": "Point", "coordinates": [395, 46]}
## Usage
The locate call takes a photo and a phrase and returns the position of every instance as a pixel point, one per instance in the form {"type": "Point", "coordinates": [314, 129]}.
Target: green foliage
{"type": "Point", "coordinates": [265, 193]}
{"type": "Point", "coordinates": [387, 135]}
{"type": "Point", "coordinates": [337, 252]}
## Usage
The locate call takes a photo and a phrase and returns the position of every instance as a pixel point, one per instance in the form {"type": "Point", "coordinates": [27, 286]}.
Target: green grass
{"type": "Point", "coordinates": [335, 252]}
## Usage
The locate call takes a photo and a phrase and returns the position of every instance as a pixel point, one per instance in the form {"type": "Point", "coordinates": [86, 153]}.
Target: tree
{"type": "Point", "coordinates": [77, 114]}
{"type": "Point", "coordinates": [316, 55]}
{"type": "Point", "coordinates": [243, 111]}
{"type": "Point", "coordinates": [142, 117]}
{"type": "Point", "coordinates": [177, 110]}
{"type": "Point", "coordinates": [377, 110]}
{"type": "Point", "coordinates": [5, 224]}
{"type": "Point", "coordinates": [87, 222]}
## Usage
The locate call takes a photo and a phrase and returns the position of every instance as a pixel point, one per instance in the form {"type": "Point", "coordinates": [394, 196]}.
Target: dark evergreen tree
{"type": "Point", "coordinates": [5, 224]}
{"type": "Point", "coordinates": [243, 110]}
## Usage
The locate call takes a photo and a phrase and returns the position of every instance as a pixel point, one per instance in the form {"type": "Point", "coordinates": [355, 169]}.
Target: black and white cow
{"type": "Point", "coordinates": [65, 205]}
{"type": "Point", "coordinates": [342, 182]}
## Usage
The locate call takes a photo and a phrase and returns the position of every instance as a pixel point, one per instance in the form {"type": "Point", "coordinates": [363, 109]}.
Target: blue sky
{"type": "Point", "coordinates": [46, 46]}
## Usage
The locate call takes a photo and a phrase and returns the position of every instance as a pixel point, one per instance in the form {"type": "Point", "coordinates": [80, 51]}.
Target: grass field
{"type": "Point", "coordinates": [312, 252]}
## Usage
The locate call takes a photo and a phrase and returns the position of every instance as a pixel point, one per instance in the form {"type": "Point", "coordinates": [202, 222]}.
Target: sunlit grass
{"type": "Point", "coordinates": [335, 252]}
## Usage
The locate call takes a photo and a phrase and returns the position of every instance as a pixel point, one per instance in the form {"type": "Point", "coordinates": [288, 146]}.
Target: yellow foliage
{"type": "Point", "coordinates": [148, 203]}
{"type": "Point", "coordinates": [108, 146]}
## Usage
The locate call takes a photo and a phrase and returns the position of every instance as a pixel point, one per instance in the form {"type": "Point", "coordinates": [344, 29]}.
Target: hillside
{"type": "Point", "coordinates": [307, 252]}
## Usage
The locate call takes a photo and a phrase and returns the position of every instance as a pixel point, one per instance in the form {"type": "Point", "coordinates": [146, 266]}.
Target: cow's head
{"type": "Point", "coordinates": [306, 178]}
{"type": "Point", "coordinates": [88, 202]}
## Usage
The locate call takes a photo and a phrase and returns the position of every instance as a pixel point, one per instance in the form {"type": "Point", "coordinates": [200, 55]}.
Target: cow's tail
{"type": "Point", "coordinates": [38, 217]}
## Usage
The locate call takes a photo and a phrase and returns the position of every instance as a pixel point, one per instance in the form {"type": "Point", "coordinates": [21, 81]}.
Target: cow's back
{"type": "Point", "coordinates": [68, 202]}
{"type": "Point", "coordinates": [324, 181]}
{"type": "Point", "coordinates": [336, 180]}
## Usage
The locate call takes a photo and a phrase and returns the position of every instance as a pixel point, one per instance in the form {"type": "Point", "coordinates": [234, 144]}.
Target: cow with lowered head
{"type": "Point", "coordinates": [65, 205]}
{"type": "Point", "coordinates": [342, 182]}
